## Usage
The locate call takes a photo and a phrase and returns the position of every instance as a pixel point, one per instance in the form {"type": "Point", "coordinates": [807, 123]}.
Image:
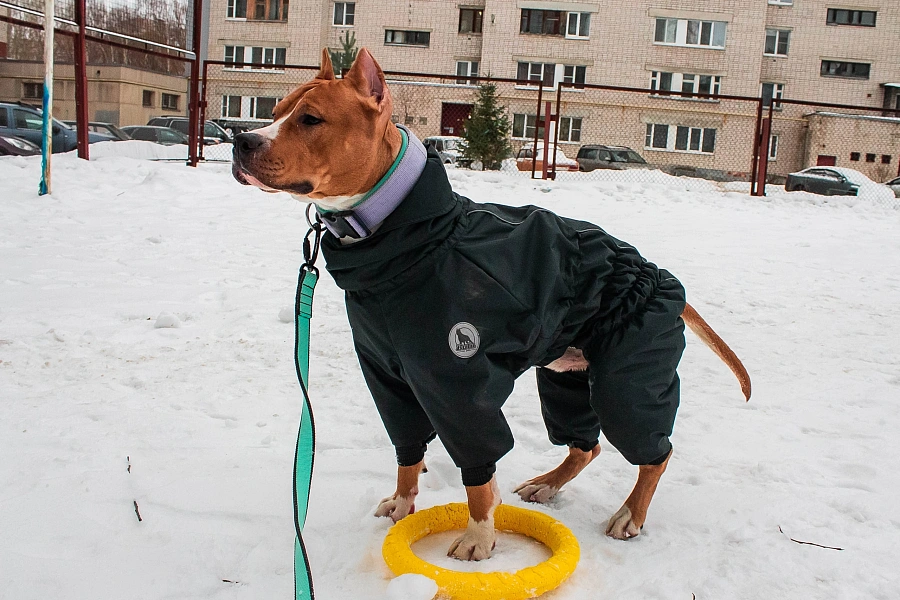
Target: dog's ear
{"type": "Point", "coordinates": [326, 71]}
{"type": "Point", "coordinates": [367, 76]}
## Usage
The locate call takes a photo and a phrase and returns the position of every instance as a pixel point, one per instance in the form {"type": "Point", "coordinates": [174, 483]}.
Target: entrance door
{"type": "Point", "coordinates": [826, 161]}
{"type": "Point", "coordinates": [453, 116]}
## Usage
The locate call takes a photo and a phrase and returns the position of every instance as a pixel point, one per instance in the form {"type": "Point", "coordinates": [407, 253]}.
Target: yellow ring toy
{"type": "Point", "coordinates": [498, 585]}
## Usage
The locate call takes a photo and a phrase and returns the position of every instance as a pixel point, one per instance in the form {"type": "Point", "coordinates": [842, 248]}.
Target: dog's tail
{"type": "Point", "coordinates": [717, 345]}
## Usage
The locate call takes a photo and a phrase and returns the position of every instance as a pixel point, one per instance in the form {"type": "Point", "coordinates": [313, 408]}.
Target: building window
{"type": "Point", "coordinates": [854, 156]}
{"type": "Point", "coordinates": [777, 42]}
{"type": "Point", "coordinates": [544, 72]}
{"type": "Point", "coordinates": [543, 22]}
{"type": "Point", "coordinates": [782, 2]}
{"type": "Point", "coordinates": [579, 25]}
{"type": "Point", "coordinates": [236, 9]}
{"type": "Point", "coordinates": [33, 90]}
{"type": "Point", "coordinates": [465, 69]}
{"type": "Point", "coordinates": [256, 55]}
{"type": "Point", "coordinates": [840, 16]}
{"type": "Point", "coordinates": [262, 107]}
{"type": "Point", "coordinates": [470, 20]}
{"type": "Point", "coordinates": [772, 93]}
{"type": "Point", "coordinates": [870, 158]}
{"type": "Point", "coordinates": [885, 159]}
{"type": "Point", "coordinates": [394, 37]}
{"type": "Point", "coordinates": [344, 12]}
{"type": "Point", "coordinates": [688, 32]}
{"type": "Point", "coordinates": [701, 140]}
{"type": "Point", "coordinates": [523, 127]}
{"type": "Point", "coordinates": [773, 147]}
{"type": "Point", "coordinates": [852, 70]}
{"type": "Point", "coordinates": [575, 75]}
{"type": "Point", "coordinates": [270, 10]}
{"type": "Point", "coordinates": [570, 129]}
{"type": "Point", "coordinates": [688, 83]}
{"type": "Point", "coordinates": [148, 98]}
{"type": "Point", "coordinates": [169, 101]}
{"type": "Point", "coordinates": [231, 106]}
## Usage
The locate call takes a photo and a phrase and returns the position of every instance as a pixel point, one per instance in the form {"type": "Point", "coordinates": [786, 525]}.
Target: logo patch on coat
{"type": "Point", "coordinates": [464, 340]}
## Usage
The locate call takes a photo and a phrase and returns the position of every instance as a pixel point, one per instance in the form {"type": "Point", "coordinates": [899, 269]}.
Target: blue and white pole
{"type": "Point", "coordinates": [47, 145]}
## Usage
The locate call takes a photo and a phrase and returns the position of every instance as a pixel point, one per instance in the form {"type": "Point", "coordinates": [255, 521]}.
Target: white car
{"type": "Point", "coordinates": [447, 146]}
{"type": "Point", "coordinates": [524, 159]}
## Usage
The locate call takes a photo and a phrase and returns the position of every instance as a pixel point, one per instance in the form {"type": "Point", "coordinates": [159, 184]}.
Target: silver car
{"type": "Point", "coordinates": [894, 184]}
{"type": "Point", "coordinates": [821, 180]}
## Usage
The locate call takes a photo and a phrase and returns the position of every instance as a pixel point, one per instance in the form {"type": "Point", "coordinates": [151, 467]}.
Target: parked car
{"type": "Point", "coordinates": [102, 128]}
{"type": "Point", "coordinates": [894, 184]}
{"type": "Point", "coordinates": [597, 156]}
{"type": "Point", "coordinates": [837, 181]}
{"type": "Point", "coordinates": [212, 133]}
{"type": "Point", "coordinates": [524, 159]}
{"type": "Point", "coordinates": [232, 128]}
{"type": "Point", "coordinates": [15, 146]}
{"type": "Point", "coordinates": [27, 122]}
{"type": "Point", "coordinates": [448, 146]}
{"type": "Point", "coordinates": [161, 135]}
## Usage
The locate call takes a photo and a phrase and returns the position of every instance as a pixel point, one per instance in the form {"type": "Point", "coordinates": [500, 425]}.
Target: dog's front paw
{"type": "Point", "coordinates": [622, 525]}
{"type": "Point", "coordinates": [476, 543]}
{"type": "Point", "coordinates": [396, 507]}
{"type": "Point", "coordinates": [536, 492]}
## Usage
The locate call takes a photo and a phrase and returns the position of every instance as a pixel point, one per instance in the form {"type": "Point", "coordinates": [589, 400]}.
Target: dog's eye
{"type": "Point", "coordinates": [310, 120]}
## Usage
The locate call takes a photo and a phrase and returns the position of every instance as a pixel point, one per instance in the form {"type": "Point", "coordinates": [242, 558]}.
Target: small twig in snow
{"type": "Point", "coordinates": [137, 511]}
{"type": "Point", "coordinates": [807, 543]}
{"type": "Point", "coordinates": [128, 458]}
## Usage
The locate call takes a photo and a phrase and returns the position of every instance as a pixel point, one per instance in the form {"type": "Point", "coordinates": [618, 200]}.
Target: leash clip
{"type": "Point", "coordinates": [311, 249]}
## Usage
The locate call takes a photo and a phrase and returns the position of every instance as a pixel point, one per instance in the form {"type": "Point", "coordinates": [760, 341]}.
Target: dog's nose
{"type": "Point", "coordinates": [247, 143]}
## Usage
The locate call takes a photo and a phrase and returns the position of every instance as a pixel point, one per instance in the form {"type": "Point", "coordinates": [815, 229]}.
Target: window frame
{"type": "Point", "coordinates": [845, 63]}
{"type": "Point", "coordinates": [777, 42]}
{"type": "Point", "coordinates": [277, 55]}
{"type": "Point", "coordinates": [477, 20]}
{"type": "Point", "coordinates": [152, 95]}
{"type": "Point", "coordinates": [773, 147]}
{"type": "Point", "coordinates": [684, 136]}
{"type": "Point", "coordinates": [231, 9]}
{"type": "Point", "coordinates": [522, 120]}
{"type": "Point", "coordinates": [576, 79]}
{"type": "Point", "coordinates": [526, 22]}
{"type": "Point", "coordinates": [163, 105]}
{"type": "Point", "coordinates": [677, 83]}
{"type": "Point", "coordinates": [281, 7]}
{"type": "Point", "coordinates": [776, 96]}
{"type": "Point", "coordinates": [427, 44]}
{"type": "Point", "coordinates": [831, 17]}
{"type": "Point", "coordinates": [582, 26]}
{"type": "Point", "coordinates": [677, 32]}
{"type": "Point", "coordinates": [38, 88]}
{"type": "Point", "coordinates": [344, 14]}
{"type": "Point", "coordinates": [570, 128]}
{"type": "Point", "coordinates": [470, 71]}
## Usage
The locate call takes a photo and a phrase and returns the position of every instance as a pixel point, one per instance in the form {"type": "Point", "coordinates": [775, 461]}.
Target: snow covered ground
{"type": "Point", "coordinates": [142, 361]}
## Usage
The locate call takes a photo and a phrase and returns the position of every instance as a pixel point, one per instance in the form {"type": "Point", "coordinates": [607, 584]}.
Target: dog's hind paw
{"type": "Point", "coordinates": [541, 493]}
{"type": "Point", "coordinates": [622, 526]}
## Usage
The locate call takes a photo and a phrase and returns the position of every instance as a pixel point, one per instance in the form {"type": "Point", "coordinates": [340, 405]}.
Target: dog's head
{"type": "Point", "coordinates": [329, 137]}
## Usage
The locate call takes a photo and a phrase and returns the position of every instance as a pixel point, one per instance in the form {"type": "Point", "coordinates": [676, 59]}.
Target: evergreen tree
{"type": "Point", "coordinates": [343, 59]}
{"type": "Point", "coordinates": [486, 132]}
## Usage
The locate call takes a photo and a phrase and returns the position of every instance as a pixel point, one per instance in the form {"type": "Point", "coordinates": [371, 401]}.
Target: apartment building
{"type": "Point", "coordinates": [814, 50]}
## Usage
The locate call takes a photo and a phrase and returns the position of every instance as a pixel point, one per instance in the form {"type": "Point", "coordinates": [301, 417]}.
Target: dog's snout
{"type": "Point", "coordinates": [247, 143]}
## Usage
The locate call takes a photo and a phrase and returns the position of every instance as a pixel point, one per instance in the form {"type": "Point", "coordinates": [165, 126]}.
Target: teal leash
{"type": "Point", "coordinates": [304, 453]}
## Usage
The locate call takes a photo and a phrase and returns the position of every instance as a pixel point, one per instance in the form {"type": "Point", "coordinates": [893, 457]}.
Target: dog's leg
{"type": "Point", "coordinates": [403, 501]}
{"type": "Point", "coordinates": [544, 487]}
{"type": "Point", "coordinates": [628, 520]}
{"type": "Point", "coordinates": [479, 539]}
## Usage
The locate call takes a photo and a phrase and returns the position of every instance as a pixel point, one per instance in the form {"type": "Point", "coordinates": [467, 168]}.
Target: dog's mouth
{"type": "Point", "coordinates": [245, 178]}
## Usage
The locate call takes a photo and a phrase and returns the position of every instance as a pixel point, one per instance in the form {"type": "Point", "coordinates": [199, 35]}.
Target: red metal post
{"type": "Point", "coordinates": [547, 120]}
{"type": "Point", "coordinates": [537, 125]}
{"type": "Point", "coordinates": [81, 95]}
{"type": "Point", "coordinates": [754, 167]}
{"type": "Point", "coordinates": [194, 125]}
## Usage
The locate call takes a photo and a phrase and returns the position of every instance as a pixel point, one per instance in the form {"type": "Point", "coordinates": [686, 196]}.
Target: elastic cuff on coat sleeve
{"type": "Point", "coordinates": [408, 456]}
{"type": "Point", "coordinates": [474, 476]}
{"type": "Point", "coordinates": [583, 446]}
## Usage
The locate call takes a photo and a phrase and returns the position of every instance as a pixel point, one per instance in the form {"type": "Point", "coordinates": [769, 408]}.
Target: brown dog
{"type": "Point", "coordinates": [331, 142]}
